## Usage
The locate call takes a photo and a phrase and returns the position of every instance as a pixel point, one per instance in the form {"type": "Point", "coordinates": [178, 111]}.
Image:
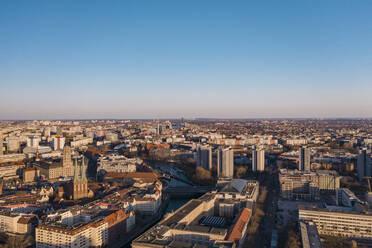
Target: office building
{"type": "Point", "coordinates": [117, 163]}
{"type": "Point", "coordinates": [364, 164]}
{"type": "Point", "coordinates": [345, 197]}
{"type": "Point", "coordinates": [225, 162]}
{"type": "Point", "coordinates": [304, 159]}
{"type": "Point", "coordinates": [204, 157]}
{"type": "Point", "coordinates": [214, 220]}
{"type": "Point", "coordinates": [86, 226]}
{"type": "Point", "coordinates": [54, 170]}
{"type": "Point", "coordinates": [297, 185]}
{"type": "Point", "coordinates": [258, 159]}
{"type": "Point", "coordinates": [336, 221]}
{"type": "Point", "coordinates": [81, 142]}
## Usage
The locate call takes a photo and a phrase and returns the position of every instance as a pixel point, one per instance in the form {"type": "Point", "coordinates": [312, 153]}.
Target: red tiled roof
{"type": "Point", "coordinates": [236, 232]}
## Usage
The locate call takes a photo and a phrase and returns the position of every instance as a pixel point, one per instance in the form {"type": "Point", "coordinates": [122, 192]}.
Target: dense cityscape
{"type": "Point", "coordinates": [185, 124]}
{"type": "Point", "coordinates": [186, 183]}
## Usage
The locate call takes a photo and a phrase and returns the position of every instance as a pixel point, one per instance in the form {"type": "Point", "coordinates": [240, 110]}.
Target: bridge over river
{"type": "Point", "coordinates": [179, 185]}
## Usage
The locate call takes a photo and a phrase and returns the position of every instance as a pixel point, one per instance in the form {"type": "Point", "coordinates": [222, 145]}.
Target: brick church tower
{"type": "Point", "coordinates": [80, 183]}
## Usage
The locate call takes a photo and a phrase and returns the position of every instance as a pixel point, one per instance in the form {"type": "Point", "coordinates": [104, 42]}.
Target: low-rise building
{"type": "Point", "coordinates": [88, 226]}
{"type": "Point", "coordinates": [298, 185]}
{"type": "Point", "coordinates": [117, 163]}
{"type": "Point", "coordinates": [216, 219]}
{"type": "Point", "coordinates": [338, 221]}
{"type": "Point", "coordinates": [16, 223]}
{"type": "Point", "coordinates": [309, 235]}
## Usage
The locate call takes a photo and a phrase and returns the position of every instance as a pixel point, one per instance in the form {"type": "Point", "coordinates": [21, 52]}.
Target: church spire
{"type": "Point", "coordinates": [83, 170]}
{"type": "Point", "coordinates": [76, 172]}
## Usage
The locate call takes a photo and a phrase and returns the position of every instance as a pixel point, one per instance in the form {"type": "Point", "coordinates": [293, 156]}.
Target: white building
{"type": "Point", "coordinates": [92, 235]}
{"type": "Point", "coordinates": [58, 142]}
{"type": "Point", "coordinates": [81, 142]}
{"type": "Point", "coordinates": [117, 163]}
{"type": "Point", "coordinates": [338, 222]}
{"type": "Point", "coordinates": [84, 226]}
{"type": "Point", "coordinates": [33, 141]}
{"type": "Point", "coordinates": [15, 223]}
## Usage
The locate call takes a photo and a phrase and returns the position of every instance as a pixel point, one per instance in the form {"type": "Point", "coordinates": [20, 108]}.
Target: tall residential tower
{"type": "Point", "coordinates": [304, 159]}
{"type": "Point", "coordinates": [258, 159]}
{"type": "Point", "coordinates": [364, 164]}
{"type": "Point", "coordinates": [225, 162]}
{"type": "Point", "coordinates": [204, 157]}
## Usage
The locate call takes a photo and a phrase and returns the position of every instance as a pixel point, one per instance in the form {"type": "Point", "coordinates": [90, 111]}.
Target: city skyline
{"type": "Point", "coordinates": [192, 59]}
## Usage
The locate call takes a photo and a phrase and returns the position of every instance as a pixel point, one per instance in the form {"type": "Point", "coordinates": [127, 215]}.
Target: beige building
{"type": "Point", "coordinates": [15, 223]}
{"type": "Point", "coordinates": [217, 219]}
{"type": "Point", "coordinates": [49, 170]}
{"type": "Point", "coordinates": [56, 170]}
{"type": "Point", "coordinates": [338, 222]}
{"type": "Point", "coordinates": [307, 185]}
{"type": "Point", "coordinates": [83, 227]}
{"type": "Point", "coordinates": [89, 235]}
{"type": "Point", "coordinates": [31, 174]}
{"type": "Point", "coordinates": [10, 170]}
{"type": "Point", "coordinates": [67, 165]}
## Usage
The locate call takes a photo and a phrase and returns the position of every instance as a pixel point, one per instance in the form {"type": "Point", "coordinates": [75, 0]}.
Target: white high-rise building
{"type": "Point", "coordinates": [204, 157]}
{"type": "Point", "coordinates": [225, 163]}
{"type": "Point", "coordinates": [364, 164]}
{"type": "Point", "coordinates": [58, 142]}
{"type": "Point", "coordinates": [258, 159]}
{"type": "Point", "coordinates": [33, 141]}
{"type": "Point", "coordinates": [304, 159]}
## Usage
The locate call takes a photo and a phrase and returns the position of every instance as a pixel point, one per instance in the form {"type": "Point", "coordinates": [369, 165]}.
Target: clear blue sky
{"type": "Point", "coordinates": [163, 59]}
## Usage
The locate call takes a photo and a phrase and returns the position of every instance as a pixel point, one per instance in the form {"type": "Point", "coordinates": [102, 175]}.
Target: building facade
{"type": "Point", "coordinates": [225, 163]}
{"type": "Point", "coordinates": [80, 182]}
{"type": "Point", "coordinates": [58, 142]}
{"type": "Point", "coordinates": [204, 157]}
{"type": "Point", "coordinates": [364, 164]}
{"type": "Point", "coordinates": [258, 159]}
{"type": "Point", "coordinates": [67, 165]}
{"type": "Point", "coordinates": [338, 223]}
{"type": "Point", "coordinates": [297, 185]}
{"type": "Point", "coordinates": [304, 159]}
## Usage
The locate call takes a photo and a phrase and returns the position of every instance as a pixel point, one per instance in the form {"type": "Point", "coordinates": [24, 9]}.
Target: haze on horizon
{"type": "Point", "coordinates": [172, 59]}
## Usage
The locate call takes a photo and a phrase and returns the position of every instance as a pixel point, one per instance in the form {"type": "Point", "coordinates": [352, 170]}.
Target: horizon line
{"type": "Point", "coordinates": [190, 119]}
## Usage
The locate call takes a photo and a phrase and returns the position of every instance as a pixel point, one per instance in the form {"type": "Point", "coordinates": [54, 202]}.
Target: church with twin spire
{"type": "Point", "coordinates": [80, 182]}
